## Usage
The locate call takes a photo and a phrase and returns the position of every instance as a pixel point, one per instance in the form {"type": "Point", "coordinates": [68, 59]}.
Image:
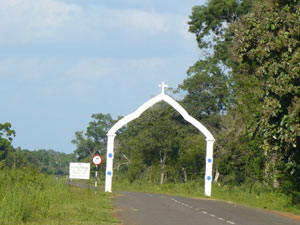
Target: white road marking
{"type": "Point", "coordinates": [204, 212]}
{"type": "Point", "coordinates": [173, 199]}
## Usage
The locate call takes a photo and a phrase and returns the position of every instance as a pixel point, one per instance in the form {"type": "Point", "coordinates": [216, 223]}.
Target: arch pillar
{"type": "Point", "coordinates": [208, 166]}
{"type": "Point", "coordinates": [109, 162]}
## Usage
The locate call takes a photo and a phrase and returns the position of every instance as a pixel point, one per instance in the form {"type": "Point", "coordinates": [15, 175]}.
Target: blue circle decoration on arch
{"type": "Point", "coordinates": [209, 160]}
{"type": "Point", "coordinates": [208, 177]}
{"type": "Point", "coordinates": [110, 155]}
{"type": "Point", "coordinates": [109, 173]}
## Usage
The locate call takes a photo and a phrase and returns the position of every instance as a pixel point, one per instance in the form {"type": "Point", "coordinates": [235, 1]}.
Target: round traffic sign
{"type": "Point", "coordinates": [97, 160]}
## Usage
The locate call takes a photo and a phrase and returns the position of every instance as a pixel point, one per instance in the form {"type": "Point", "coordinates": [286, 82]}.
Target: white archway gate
{"type": "Point", "coordinates": [161, 97]}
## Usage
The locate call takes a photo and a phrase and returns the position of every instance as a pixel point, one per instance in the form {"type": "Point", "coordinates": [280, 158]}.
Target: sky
{"type": "Point", "coordinates": [63, 60]}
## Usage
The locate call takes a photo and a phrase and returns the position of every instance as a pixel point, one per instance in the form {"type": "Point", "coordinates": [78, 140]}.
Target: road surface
{"type": "Point", "coordinates": [158, 209]}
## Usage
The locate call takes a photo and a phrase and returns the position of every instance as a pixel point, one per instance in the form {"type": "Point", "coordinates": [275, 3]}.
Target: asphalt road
{"type": "Point", "coordinates": [158, 209]}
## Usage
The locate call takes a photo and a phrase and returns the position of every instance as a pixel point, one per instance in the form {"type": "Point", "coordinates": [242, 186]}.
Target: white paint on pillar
{"type": "Point", "coordinates": [161, 97]}
{"type": "Point", "coordinates": [208, 166]}
{"type": "Point", "coordinates": [109, 162]}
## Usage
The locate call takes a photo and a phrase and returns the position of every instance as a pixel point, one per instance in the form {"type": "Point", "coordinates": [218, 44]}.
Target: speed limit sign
{"type": "Point", "coordinates": [97, 160]}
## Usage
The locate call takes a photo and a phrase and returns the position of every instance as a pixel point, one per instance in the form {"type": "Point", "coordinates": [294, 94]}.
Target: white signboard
{"type": "Point", "coordinates": [79, 171]}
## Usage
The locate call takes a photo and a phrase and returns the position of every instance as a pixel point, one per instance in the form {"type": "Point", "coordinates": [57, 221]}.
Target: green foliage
{"type": "Point", "coordinates": [47, 161]}
{"type": "Point", "coordinates": [211, 93]}
{"type": "Point", "coordinates": [193, 188]}
{"type": "Point", "coordinates": [208, 84]}
{"type": "Point", "coordinates": [25, 195]}
{"type": "Point", "coordinates": [191, 159]}
{"type": "Point", "coordinates": [30, 197]}
{"type": "Point", "coordinates": [94, 139]}
{"type": "Point", "coordinates": [156, 147]}
{"type": "Point", "coordinates": [207, 92]}
{"type": "Point", "coordinates": [238, 157]}
{"type": "Point", "coordinates": [246, 88]}
{"type": "Point", "coordinates": [257, 196]}
{"type": "Point", "coordinates": [267, 48]}
{"type": "Point", "coordinates": [99, 127]}
{"type": "Point", "coordinates": [85, 146]}
{"type": "Point", "coordinates": [210, 18]}
{"type": "Point", "coordinates": [6, 136]}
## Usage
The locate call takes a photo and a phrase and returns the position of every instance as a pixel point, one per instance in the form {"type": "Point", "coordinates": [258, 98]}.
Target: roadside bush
{"type": "Point", "coordinates": [25, 195]}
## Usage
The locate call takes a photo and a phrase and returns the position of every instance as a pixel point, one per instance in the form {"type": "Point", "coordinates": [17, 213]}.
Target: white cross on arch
{"type": "Point", "coordinates": [163, 85]}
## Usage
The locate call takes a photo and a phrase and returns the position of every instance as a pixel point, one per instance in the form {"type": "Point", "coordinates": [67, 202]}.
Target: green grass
{"type": "Point", "coordinates": [81, 206]}
{"type": "Point", "coordinates": [256, 198]}
{"type": "Point", "coordinates": [29, 197]}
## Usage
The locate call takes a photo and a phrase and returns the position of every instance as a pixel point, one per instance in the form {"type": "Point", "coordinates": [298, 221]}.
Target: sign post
{"type": "Point", "coordinates": [97, 160]}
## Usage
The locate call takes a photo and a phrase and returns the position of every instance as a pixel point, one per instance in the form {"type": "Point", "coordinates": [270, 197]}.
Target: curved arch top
{"type": "Point", "coordinates": [170, 101]}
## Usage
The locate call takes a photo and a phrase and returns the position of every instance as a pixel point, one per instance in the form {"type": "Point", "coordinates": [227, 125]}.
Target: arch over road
{"type": "Point", "coordinates": [161, 97]}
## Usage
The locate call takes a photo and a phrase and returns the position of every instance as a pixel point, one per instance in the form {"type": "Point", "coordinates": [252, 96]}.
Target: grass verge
{"type": "Point", "coordinates": [29, 197]}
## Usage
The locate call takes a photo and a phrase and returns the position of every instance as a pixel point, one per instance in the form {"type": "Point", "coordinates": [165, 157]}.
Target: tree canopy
{"type": "Point", "coordinates": [267, 50]}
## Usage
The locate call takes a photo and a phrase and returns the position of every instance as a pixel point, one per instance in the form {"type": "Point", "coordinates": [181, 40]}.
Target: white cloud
{"type": "Point", "coordinates": [51, 77]}
{"type": "Point", "coordinates": [23, 21]}
{"type": "Point", "coordinates": [26, 20]}
{"type": "Point", "coordinates": [143, 22]}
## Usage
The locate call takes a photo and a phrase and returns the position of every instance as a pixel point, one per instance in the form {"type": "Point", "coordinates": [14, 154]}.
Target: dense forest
{"type": "Point", "coordinates": [245, 90]}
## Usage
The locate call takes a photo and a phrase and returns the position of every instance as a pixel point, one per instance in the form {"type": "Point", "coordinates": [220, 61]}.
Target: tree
{"type": "Point", "coordinates": [17, 159]}
{"type": "Point", "coordinates": [6, 137]}
{"type": "Point", "coordinates": [208, 83]}
{"type": "Point", "coordinates": [191, 158]}
{"type": "Point", "coordinates": [150, 141]}
{"type": "Point", "coordinates": [210, 96]}
{"type": "Point", "coordinates": [207, 92]}
{"type": "Point", "coordinates": [267, 49]}
{"type": "Point", "coordinates": [94, 139]}
{"type": "Point", "coordinates": [85, 146]}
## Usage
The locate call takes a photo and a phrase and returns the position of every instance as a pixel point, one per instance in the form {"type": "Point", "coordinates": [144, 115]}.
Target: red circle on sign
{"type": "Point", "coordinates": [97, 160]}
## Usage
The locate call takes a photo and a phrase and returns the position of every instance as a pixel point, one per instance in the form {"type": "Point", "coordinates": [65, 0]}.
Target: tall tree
{"type": "Point", "coordinates": [94, 139]}
{"type": "Point", "coordinates": [209, 86]}
{"type": "Point", "coordinates": [267, 49]}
